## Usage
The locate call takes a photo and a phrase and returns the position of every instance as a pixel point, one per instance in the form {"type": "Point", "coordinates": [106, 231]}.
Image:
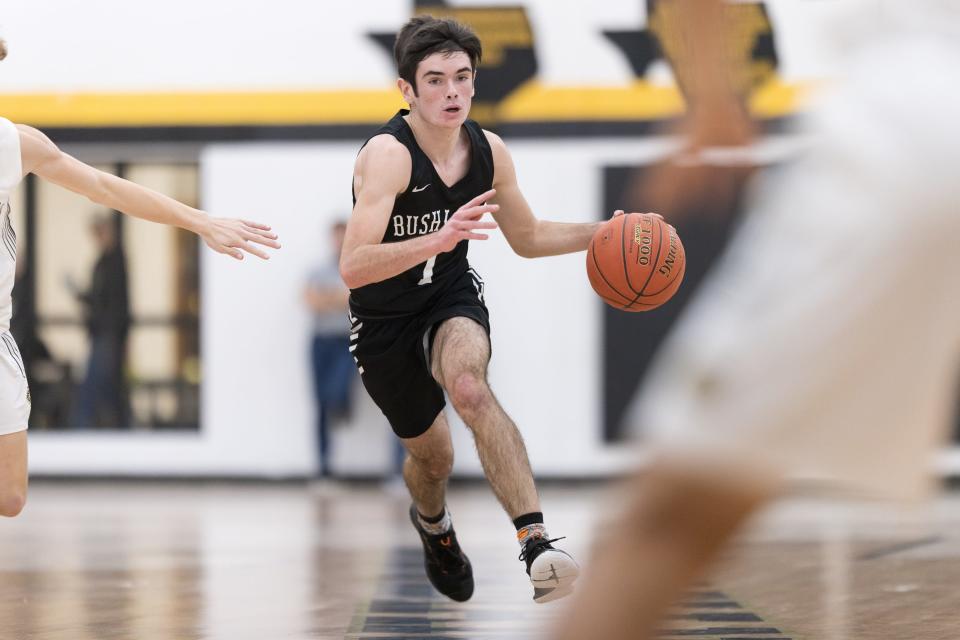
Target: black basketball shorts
{"type": "Point", "coordinates": [393, 356]}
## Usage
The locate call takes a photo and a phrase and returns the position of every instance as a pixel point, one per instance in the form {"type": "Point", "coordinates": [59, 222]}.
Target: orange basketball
{"type": "Point", "coordinates": [635, 262]}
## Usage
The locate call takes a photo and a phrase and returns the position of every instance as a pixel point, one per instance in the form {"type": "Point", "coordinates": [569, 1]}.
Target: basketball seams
{"type": "Point", "coordinates": [681, 258]}
{"type": "Point", "coordinates": [623, 252]}
{"type": "Point", "coordinates": [642, 300]}
{"type": "Point", "coordinates": [656, 259]}
{"type": "Point", "coordinates": [665, 294]}
{"type": "Point", "coordinates": [592, 252]}
{"type": "Point", "coordinates": [625, 307]}
{"type": "Point", "coordinates": [653, 263]}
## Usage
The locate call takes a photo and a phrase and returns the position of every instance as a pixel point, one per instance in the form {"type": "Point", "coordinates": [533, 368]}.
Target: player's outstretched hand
{"type": "Point", "coordinates": [465, 222]}
{"type": "Point", "coordinates": [233, 237]}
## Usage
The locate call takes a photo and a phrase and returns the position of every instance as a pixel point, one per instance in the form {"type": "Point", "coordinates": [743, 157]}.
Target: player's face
{"type": "Point", "coordinates": [445, 89]}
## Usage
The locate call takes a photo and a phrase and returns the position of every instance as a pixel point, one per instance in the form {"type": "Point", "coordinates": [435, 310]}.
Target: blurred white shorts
{"type": "Point", "coordinates": [825, 345]}
{"type": "Point", "coordinates": [826, 342]}
{"type": "Point", "coordinates": [14, 391]}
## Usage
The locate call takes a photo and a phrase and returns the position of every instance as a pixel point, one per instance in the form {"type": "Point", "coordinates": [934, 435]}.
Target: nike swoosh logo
{"type": "Point", "coordinates": [419, 189]}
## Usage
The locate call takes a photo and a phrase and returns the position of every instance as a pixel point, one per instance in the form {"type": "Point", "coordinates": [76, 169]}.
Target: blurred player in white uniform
{"type": "Point", "coordinates": [25, 150]}
{"type": "Point", "coordinates": [826, 342]}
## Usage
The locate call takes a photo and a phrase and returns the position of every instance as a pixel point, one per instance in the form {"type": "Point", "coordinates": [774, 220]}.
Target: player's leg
{"type": "Point", "coordinates": [14, 414]}
{"type": "Point", "coordinates": [674, 525]}
{"type": "Point", "coordinates": [461, 351]}
{"type": "Point", "coordinates": [390, 359]}
{"type": "Point", "coordinates": [425, 470]}
{"type": "Point", "coordinates": [427, 466]}
{"type": "Point", "coordinates": [13, 473]}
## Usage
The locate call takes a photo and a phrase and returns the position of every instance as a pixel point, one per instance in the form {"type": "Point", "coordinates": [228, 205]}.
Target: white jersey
{"type": "Point", "coordinates": [826, 342]}
{"type": "Point", "coordinates": [10, 174]}
{"type": "Point", "coordinates": [14, 392]}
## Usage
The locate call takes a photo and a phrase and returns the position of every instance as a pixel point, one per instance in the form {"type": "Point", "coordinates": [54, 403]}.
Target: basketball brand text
{"type": "Point", "coordinates": [667, 265]}
{"type": "Point", "coordinates": [643, 239]}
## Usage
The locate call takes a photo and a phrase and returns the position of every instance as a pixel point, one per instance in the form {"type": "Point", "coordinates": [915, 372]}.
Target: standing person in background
{"type": "Point", "coordinates": [827, 341]}
{"type": "Point", "coordinates": [333, 371]}
{"type": "Point", "coordinates": [26, 150]}
{"type": "Point", "coordinates": [102, 399]}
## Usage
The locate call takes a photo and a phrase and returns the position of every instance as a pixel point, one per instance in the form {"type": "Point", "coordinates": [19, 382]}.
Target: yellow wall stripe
{"type": "Point", "coordinates": [639, 101]}
{"type": "Point", "coordinates": [199, 109]}
{"type": "Point", "coordinates": [534, 102]}
{"type": "Point", "coordinates": [776, 99]}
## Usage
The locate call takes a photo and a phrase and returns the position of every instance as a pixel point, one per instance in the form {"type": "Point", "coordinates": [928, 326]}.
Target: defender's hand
{"type": "Point", "coordinates": [233, 237]}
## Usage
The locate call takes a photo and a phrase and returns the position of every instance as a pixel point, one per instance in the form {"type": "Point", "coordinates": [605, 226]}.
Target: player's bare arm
{"type": "Point", "coordinates": [528, 236]}
{"type": "Point", "coordinates": [381, 173]}
{"type": "Point", "coordinates": [224, 235]}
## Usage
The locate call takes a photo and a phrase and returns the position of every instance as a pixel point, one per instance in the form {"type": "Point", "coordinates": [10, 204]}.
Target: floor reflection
{"type": "Point", "coordinates": [152, 561]}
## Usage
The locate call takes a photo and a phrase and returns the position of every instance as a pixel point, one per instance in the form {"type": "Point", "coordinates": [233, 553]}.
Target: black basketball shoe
{"type": "Point", "coordinates": [447, 567]}
{"type": "Point", "coordinates": [552, 571]}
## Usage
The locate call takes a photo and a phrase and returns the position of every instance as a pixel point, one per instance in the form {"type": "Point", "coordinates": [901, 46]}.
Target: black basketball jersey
{"type": "Point", "coordinates": [423, 208]}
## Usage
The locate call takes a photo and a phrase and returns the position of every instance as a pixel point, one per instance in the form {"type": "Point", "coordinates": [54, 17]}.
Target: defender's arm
{"type": "Point", "coordinates": [224, 235]}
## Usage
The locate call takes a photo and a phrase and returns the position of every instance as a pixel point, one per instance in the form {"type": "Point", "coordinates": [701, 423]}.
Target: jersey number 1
{"type": "Point", "coordinates": [428, 271]}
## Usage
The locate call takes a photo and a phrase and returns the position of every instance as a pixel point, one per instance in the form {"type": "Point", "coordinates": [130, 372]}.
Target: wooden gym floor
{"type": "Point", "coordinates": [165, 561]}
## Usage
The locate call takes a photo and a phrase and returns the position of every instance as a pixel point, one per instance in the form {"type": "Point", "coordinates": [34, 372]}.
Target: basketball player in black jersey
{"type": "Point", "coordinates": [422, 187]}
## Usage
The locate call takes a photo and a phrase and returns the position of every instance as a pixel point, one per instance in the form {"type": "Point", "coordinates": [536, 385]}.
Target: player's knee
{"type": "Point", "coordinates": [438, 466]}
{"type": "Point", "coordinates": [12, 503]}
{"type": "Point", "coordinates": [469, 394]}
{"type": "Point", "coordinates": [442, 468]}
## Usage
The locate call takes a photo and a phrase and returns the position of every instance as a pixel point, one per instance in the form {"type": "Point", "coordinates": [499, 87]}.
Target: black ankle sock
{"type": "Point", "coordinates": [528, 519]}
{"type": "Point", "coordinates": [434, 519]}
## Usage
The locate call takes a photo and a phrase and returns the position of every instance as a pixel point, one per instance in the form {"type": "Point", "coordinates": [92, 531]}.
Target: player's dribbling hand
{"type": "Point", "coordinates": [233, 237]}
{"type": "Point", "coordinates": [620, 212]}
{"type": "Point", "coordinates": [464, 223]}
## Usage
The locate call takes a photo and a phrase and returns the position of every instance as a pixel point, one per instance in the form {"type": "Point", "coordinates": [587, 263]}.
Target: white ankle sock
{"type": "Point", "coordinates": [436, 528]}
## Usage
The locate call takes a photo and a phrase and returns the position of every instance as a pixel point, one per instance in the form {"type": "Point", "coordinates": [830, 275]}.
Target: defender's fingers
{"type": "Point", "coordinates": [260, 232]}
{"type": "Point", "coordinates": [256, 225]}
{"type": "Point", "coordinates": [268, 242]}
{"type": "Point", "coordinates": [233, 253]}
{"type": "Point", "coordinates": [249, 248]}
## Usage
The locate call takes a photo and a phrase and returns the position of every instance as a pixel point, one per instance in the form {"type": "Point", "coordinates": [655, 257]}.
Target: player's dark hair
{"type": "Point", "coordinates": [425, 35]}
{"type": "Point", "coordinates": [3, 49]}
